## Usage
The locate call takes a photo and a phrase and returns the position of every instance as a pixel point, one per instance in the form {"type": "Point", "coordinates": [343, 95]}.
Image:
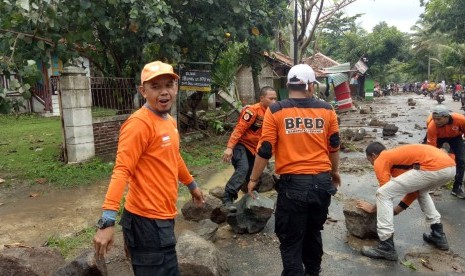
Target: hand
{"type": "Point", "coordinates": [366, 206]}
{"type": "Point", "coordinates": [251, 187]}
{"type": "Point", "coordinates": [103, 240]}
{"type": "Point", "coordinates": [227, 155]}
{"type": "Point", "coordinates": [336, 179]}
{"type": "Point", "coordinates": [197, 197]}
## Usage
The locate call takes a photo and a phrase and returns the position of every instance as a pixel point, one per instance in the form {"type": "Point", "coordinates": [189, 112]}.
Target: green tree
{"type": "Point", "coordinates": [446, 16]}
{"type": "Point", "coordinates": [119, 36]}
{"type": "Point", "coordinates": [331, 33]}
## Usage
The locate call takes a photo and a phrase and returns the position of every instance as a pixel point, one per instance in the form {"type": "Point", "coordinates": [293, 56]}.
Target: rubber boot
{"type": "Point", "coordinates": [384, 250]}
{"type": "Point", "coordinates": [437, 237]}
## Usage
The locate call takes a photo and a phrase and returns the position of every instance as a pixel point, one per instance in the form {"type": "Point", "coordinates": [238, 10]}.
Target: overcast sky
{"type": "Point", "coordinates": [400, 13]}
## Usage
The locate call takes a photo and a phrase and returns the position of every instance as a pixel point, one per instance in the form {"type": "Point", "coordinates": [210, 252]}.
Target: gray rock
{"type": "Point", "coordinates": [217, 192]}
{"type": "Point", "coordinates": [376, 122]}
{"type": "Point", "coordinates": [390, 130]}
{"type": "Point", "coordinates": [358, 222]}
{"type": "Point", "coordinates": [192, 212]}
{"type": "Point", "coordinates": [30, 261]}
{"type": "Point", "coordinates": [411, 102]}
{"type": "Point", "coordinates": [365, 111]}
{"type": "Point", "coordinates": [418, 127]}
{"type": "Point", "coordinates": [394, 115]}
{"type": "Point", "coordinates": [266, 182]}
{"type": "Point", "coordinates": [359, 135]}
{"type": "Point", "coordinates": [198, 257]}
{"type": "Point", "coordinates": [84, 265]}
{"type": "Point", "coordinates": [207, 229]}
{"type": "Point", "coordinates": [251, 215]}
{"type": "Point", "coordinates": [219, 215]}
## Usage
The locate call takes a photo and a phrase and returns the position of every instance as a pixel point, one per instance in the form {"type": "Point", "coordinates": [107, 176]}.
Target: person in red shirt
{"type": "Point", "coordinates": [242, 144]}
{"type": "Point", "coordinates": [444, 127]}
{"type": "Point", "coordinates": [149, 162]}
{"type": "Point", "coordinates": [303, 134]}
{"type": "Point", "coordinates": [411, 171]}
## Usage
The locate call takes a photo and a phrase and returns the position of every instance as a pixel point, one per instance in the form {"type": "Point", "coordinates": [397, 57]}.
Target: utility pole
{"type": "Point", "coordinates": [295, 33]}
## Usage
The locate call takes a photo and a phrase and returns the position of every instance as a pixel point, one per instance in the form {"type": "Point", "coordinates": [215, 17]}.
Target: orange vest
{"type": "Point", "coordinates": [394, 162]}
{"type": "Point", "coordinates": [249, 127]}
{"type": "Point", "coordinates": [455, 127]}
{"type": "Point", "coordinates": [149, 161]}
{"type": "Point", "coordinates": [299, 131]}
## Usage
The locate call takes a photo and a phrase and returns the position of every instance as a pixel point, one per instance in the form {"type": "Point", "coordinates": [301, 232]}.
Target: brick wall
{"type": "Point", "coordinates": [106, 134]}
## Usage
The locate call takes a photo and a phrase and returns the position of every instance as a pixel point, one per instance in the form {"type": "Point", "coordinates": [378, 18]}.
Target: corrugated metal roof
{"type": "Point", "coordinates": [338, 78]}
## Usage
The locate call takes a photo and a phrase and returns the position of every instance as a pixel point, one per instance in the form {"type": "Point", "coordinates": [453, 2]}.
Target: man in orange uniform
{"type": "Point", "coordinates": [149, 161]}
{"type": "Point", "coordinates": [411, 171]}
{"type": "Point", "coordinates": [242, 144]}
{"type": "Point", "coordinates": [303, 133]}
{"type": "Point", "coordinates": [446, 127]}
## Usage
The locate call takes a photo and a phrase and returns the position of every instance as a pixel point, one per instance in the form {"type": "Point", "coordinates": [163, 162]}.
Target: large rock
{"type": "Point", "coordinates": [192, 212]}
{"type": "Point", "coordinates": [390, 130]}
{"type": "Point", "coordinates": [359, 134]}
{"type": "Point", "coordinates": [265, 183]}
{"type": "Point", "coordinates": [207, 229]}
{"type": "Point", "coordinates": [217, 192]}
{"type": "Point", "coordinates": [84, 265]}
{"type": "Point", "coordinates": [411, 102]}
{"type": "Point", "coordinates": [376, 122]}
{"type": "Point", "coordinates": [199, 257]}
{"type": "Point", "coordinates": [251, 215]}
{"type": "Point", "coordinates": [219, 214]}
{"type": "Point", "coordinates": [28, 261]}
{"type": "Point", "coordinates": [358, 222]}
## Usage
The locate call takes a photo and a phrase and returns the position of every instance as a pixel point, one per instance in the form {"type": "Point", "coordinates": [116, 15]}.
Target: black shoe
{"type": "Point", "coordinates": [228, 203]}
{"type": "Point", "coordinates": [458, 193]}
{"type": "Point", "coordinates": [437, 237]}
{"type": "Point", "coordinates": [384, 250]}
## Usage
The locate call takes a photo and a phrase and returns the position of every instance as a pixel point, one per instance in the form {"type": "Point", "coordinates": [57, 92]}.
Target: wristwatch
{"type": "Point", "coordinates": [104, 223]}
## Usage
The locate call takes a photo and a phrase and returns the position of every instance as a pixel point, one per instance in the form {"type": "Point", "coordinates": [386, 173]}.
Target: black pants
{"type": "Point", "coordinates": [458, 149]}
{"type": "Point", "coordinates": [151, 245]}
{"type": "Point", "coordinates": [242, 161]}
{"type": "Point", "coordinates": [301, 211]}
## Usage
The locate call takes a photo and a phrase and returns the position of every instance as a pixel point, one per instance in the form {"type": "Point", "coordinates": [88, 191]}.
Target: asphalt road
{"type": "Point", "coordinates": [259, 254]}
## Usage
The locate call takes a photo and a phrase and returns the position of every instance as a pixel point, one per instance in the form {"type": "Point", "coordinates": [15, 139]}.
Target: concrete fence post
{"type": "Point", "coordinates": [76, 110]}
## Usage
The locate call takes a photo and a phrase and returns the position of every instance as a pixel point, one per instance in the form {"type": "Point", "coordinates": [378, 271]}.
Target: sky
{"type": "Point", "coordinates": [400, 13]}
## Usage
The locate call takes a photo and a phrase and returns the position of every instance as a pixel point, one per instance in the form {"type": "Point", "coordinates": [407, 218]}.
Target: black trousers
{"type": "Point", "coordinates": [242, 161]}
{"type": "Point", "coordinates": [301, 211]}
{"type": "Point", "coordinates": [151, 244]}
{"type": "Point", "coordinates": [458, 149]}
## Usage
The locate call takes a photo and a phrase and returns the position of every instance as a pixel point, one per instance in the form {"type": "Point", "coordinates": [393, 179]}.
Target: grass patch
{"type": "Point", "coordinates": [30, 147]}
{"type": "Point", "coordinates": [70, 247]}
{"type": "Point", "coordinates": [449, 185]}
{"type": "Point", "coordinates": [205, 152]}
{"type": "Point", "coordinates": [103, 112]}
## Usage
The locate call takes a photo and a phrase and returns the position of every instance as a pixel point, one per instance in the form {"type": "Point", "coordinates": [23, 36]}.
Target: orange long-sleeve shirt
{"type": "Point", "coordinates": [300, 133]}
{"type": "Point", "coordinates": [394, 162]}
{"type": "Point", "coordinates": [249, 128]}
{"type": "Point", "coordinates": [149, 161]}
{"type": "Point", "coordinates": [455, 127]}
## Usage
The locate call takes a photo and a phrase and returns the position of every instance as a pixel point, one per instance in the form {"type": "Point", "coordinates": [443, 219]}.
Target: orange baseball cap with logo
{"type": "Point", "coordinates": [154, 69]}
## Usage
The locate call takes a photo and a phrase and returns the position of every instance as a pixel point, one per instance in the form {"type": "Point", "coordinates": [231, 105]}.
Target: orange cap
{"type": "Point", "coordinates": [155, 69]}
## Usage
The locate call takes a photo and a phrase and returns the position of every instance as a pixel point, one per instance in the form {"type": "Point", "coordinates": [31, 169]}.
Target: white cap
{"type": "Point", "coordinates": [440, 110]}
{"type": "Point", "coordinates": [301, 74]}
